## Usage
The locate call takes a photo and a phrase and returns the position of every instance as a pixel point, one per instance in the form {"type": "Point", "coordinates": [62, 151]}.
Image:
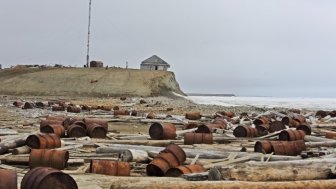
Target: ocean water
{"type": "Point", "coordinates": [268, 102]}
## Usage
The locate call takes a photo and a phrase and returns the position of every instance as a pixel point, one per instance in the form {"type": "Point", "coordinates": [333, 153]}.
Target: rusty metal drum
{"type": "Point", "coordinates": [161, 164]}
{"type": "Point", "coordinates": [291, 135]}
{"type": "Point", "coordinates": [304, 127]}
{"type": "Point", "coordinates": [58, 108]}
{"type": "Point", "coordinates": [186, 169]}
{"type": "Point", "coordinates": [177, 151]}
{"type": "Point", "coordinates": [76, 131]}
{"type": "Point", "coordinates": [101, 122]}
{"type": "Point", "coordinates": [193, 115]}
{"type": "Point", "coordinates": [53, 128]}
{"type": "Point", "coordinates": [8, 179]}
{"type": "Point", "coordinates": [73, 109]}
{"type": "Point", "coordinates": [245, 131]}
{"type": "Point", "coordinates": [46, 177]}
{"type": "Point", "coordinates": [261, 121]}
{"type": "Point", "coordinates": [96, 131]}
{"type": "Point", "coordinates": [330, 135]}
{"type": "Point", "coordinates": [276, 126]}
{"type": "Point", "coordinates": [198, 138]}
{"type": "Point", "coordinates": [121, 112]}
{"type": "Point", "coordinates": [44, 123]}
{"type": "Point", "coordinates": [263, 147]}
{"type": "Point", "coordinates": [162, 131]}
{"type": "Point", "coordinates": [48, 158]}
{"type": "Point", "coordinates": [43, 141]}
{"type": "Point", "coordinates": [209, 128]}
{"type": "Point", "coordinates": [108, 167]}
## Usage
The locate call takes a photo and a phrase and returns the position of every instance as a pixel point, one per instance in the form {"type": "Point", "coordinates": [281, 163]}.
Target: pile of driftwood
{"type": "Point", "coordinates": [291, 149]}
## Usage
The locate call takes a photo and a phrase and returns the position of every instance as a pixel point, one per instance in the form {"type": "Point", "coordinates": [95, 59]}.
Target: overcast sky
{"type": "Point", "coordinates": [249, 48]}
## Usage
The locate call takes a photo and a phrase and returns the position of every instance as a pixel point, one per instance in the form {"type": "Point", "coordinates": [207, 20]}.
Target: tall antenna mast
{"type": "Point", "coordinates": [88, 39]}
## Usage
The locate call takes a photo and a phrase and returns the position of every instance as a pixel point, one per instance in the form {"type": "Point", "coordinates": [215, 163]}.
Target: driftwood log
{"type": "Point", "coordinates": [277, 171]}
{"type": "Point", "coordinates": [145, 182]}
{"type": "Point", "coordinates": [191, 153]}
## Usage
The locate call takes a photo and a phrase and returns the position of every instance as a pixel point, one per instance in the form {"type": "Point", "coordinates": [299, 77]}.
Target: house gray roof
{"type": "Point", "coordinates": [155, 60]}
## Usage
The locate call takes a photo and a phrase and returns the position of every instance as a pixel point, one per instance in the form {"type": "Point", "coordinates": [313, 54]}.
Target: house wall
{"type": "Point", "coordinates": [152, 67]}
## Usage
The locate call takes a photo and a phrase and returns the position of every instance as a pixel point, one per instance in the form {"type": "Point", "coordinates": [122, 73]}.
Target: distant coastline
{"type": "Point", "coordinates": [208, 94]}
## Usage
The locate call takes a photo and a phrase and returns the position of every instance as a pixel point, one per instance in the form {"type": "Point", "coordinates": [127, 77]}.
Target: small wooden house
{"type": "Point", "coordinates": [96, 64]}
{"type": "Point", "coordinates": [154, 63]}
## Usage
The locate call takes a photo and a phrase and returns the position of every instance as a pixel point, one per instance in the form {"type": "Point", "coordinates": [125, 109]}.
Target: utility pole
{"type": "Point", "coordinates": [88, 37]}
{"type": "Point", "coordinates": [126, 64]}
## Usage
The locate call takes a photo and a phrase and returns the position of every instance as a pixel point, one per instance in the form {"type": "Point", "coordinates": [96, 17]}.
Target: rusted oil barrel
{"type": "Point", "coordinates": [120, 112]}
{"type": "Point", "coordinates": [289, 148]}
{"type": "Point", "coordinates": [304, 127]}
{"type": "Point", "coordinates": [177, 151]}
{"type": "Point", "coordinates": [8, 179]}
{"type": "Point", "coordinates": [105, 108]}
{"type": "Point", "coordinates": [321, 114]}
{"type": "Point", "coordinates": [58, 108]}
{"type": "Point", "coordinates": [77, 129]}
{"type": "Point", "coordinates": [162, 131]}
{"type": "Point", "coordinates": [261, 121]}
{"type": "Point", "coordinates": [198, 138]}
{"type": "Point", "coordinates": [186, 169]}
{"type": "Point", "coordinates": [291, 135]}
{"type": "Point", "coordinates": [276, 126]}
{"type": "Point", "coordinates": [57, 129]}
{"type": "Point", "coordinates": [86, 107]}
{"type": "Point", "coordinates": [193, 115]}
{"type": "Point", "coordinates": [161, 164]}
{"type": "Point", "coordinates": [300, 118]}
{"type": "Point", "coordinates": [150, 115]}
{"type": "Point", "coordinates": [73, 109]}
{"type": "Point", "coordinates": [171, 156]}
{"type": "Point", "coordinates": [46, 177]}
{"type": "Point", "coordinates": [116, 108]}
{"type": "Point", "coordinates": [221, 121]}
{"type": "Point", "coordinates": [60, 118]}
{"type": "Point", "coordinates": [245, 131]}
{"type": "Point", "coordinates": [108, 167]}
{"type": "Point", "coordinates": [71, 120]}
{"type": "Point", "coordinates": [96, 131]}
{"type": "Point", "coordinates": [264, 146]}
{"type": "Point", "coordinates": [44, 123]}
{"type": "Point", "coordinates": [189, 126]}
{"type": "Point", "coordinates": [98, 121]}
{"type": "Point", "coordinates": [330, 135]}
{"type": "Point", "coordinates": [28, 105]}
{"type": "Point", "coordinates": [262, 129]}
{"type": "Point", "coordinates": [48, 158]}
{"type": "Point", "coordinates": [40, 104]}
{"type": "Point", "coordinates": [209, 128]}
{"type": "Point", "coordinates": [291, 122]}
{"type": "Point", "coordinates": [17, 104]}
{"type": "Point", "coordinates": [43, 141]}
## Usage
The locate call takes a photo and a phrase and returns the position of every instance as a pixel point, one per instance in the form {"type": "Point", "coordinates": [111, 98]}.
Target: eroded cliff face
{"type": "Point", "coordinates": [97, 82]}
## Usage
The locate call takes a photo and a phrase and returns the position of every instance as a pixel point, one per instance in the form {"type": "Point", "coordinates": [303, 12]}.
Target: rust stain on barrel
{"type": "Point", "coordinates": [53, 128]}
{"type": "Point", "coordinates": [108, 167]}
{"type": "Point", "coordinates": [8, 179]}
{"type": "Point", "coordinates": [198, 138]}
{"type": "Point", "coordinates": [48, 158]}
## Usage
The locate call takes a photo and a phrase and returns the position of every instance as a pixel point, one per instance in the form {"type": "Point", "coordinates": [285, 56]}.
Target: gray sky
{"type": "Point", "coordinates": [259, 48]}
